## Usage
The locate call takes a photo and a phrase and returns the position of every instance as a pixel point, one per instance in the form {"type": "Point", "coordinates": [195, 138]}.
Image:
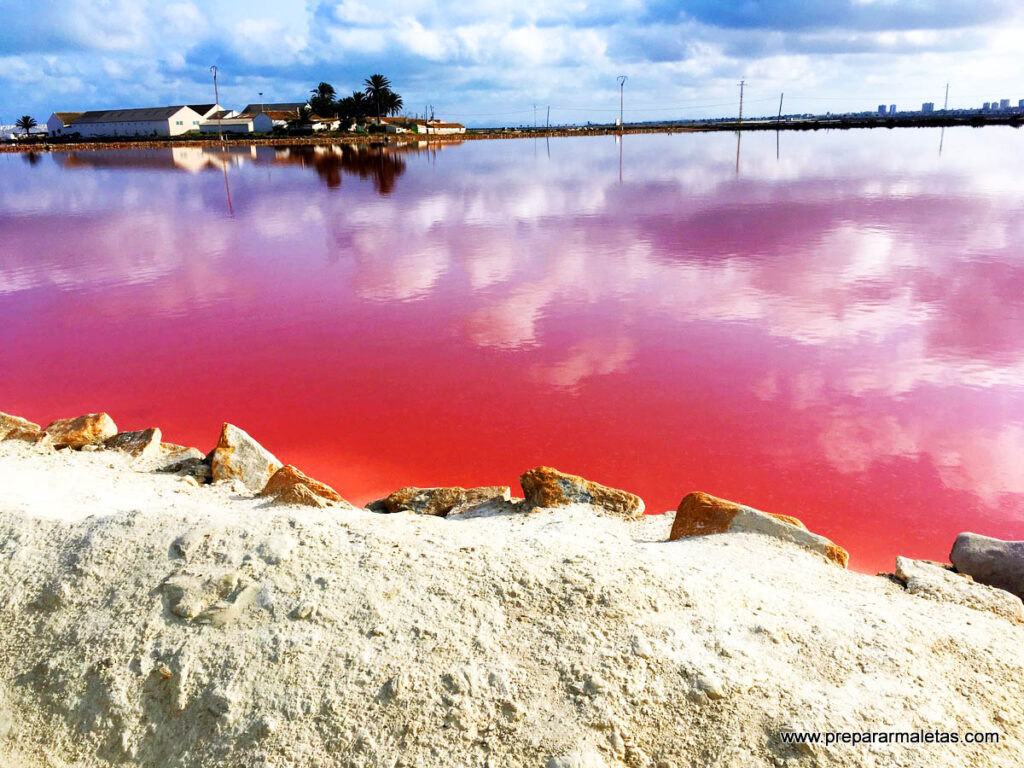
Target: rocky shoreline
{"type": "Point", "coordinates": [238, 457]}
{"type": "Point", "coordinates": [442, 626]}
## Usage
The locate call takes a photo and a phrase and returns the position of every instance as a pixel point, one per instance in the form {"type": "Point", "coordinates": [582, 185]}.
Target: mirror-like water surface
{"type": "Point", "coordinates": [829, 325]}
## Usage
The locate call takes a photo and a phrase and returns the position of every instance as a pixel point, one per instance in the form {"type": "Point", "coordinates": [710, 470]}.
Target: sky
{"type": "Point", "coordinates": [505, 62]}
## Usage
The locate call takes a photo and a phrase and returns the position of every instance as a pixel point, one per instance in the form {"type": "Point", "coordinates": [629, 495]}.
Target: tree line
{"type": "Point", "coordinates": [376, 99]}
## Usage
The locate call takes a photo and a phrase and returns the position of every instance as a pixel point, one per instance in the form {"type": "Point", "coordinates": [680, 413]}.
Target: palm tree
{"type": "Point", "coordinates": [391, 102]}
{"type": "Point", "coordinates": [354, 107]}
{"type": "Point", "coordinates": [376, 87]}
{"type": "Point", "coordinates": [324, 90]}
{"type": "Point", "coordinates": [322, 100]}
{"type": "Point", "coordinates": [26, 123]}
{"type": "Point", "coordinates": [360, 104]}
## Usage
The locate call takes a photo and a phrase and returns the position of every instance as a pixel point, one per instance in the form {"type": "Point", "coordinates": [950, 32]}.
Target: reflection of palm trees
{"type": "Point", "coordinates": [382, 165]}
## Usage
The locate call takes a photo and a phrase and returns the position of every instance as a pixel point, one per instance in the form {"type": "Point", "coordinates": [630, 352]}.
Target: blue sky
{"type": "Point", "coordinates": [489, 64]}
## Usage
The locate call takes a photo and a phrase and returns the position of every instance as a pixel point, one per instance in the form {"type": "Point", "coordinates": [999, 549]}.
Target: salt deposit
{"type": "Point", "coordinates": [145, 620]}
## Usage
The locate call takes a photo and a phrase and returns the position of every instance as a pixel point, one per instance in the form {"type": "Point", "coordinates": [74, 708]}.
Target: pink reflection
{"type": "Point", "coordinates": [836, 334]}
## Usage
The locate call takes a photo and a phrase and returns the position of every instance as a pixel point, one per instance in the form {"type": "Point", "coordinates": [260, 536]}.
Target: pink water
{"type": "Point", "coordinates": [831, 328]}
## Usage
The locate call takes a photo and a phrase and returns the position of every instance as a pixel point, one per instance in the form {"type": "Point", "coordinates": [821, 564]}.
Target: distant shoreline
{"type": "Point", "coordinates": [810, 124]}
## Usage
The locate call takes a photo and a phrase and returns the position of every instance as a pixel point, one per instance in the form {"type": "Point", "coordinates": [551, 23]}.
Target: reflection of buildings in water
{"type": "Point", "coordinates": [190, 159]}
{"type": "Point", "coordinates": [382, 164]}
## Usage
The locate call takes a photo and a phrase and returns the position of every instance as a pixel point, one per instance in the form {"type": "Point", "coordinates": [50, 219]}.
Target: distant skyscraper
{"type": "Point", "coordinates": [882, 109]}
{"type": "Point", "coordinates": [928, 106]}
{"type": "Point", "coordinates": [1004, 103]}
{"type": "Point", "coordinates": [986, 106]}
{"type": "Point", "coordinates": [892, 109]}
{"type": "Point", "coordinates": [1020, 104]}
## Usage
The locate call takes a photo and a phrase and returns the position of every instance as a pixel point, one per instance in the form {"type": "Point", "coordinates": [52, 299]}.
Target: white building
{"type": "Point", "coordinates": [287, 106]}
{"type": "Point", "coordinates": [205, 110]}
{"type": "Point", "coordinates": [436, 126]}
{"type": "Point", "coordinates": [59, 122]}
{"type": "Point", "coordinates": [419, 125]}
{"type": "Point", "coordinates": [288, 118]}
{"type": "Point", "coordinates": [228, 122]}
{"type": "Point", "coordinates": [149, 121]}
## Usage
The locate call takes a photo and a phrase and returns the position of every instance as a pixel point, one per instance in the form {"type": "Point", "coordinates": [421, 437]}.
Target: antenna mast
{"type": "Point", "coordinates": [743, 84]}
{"type": "Point", "coordinates": [622, 86]}
{"type": "Point", "coordinates": [216, 98]}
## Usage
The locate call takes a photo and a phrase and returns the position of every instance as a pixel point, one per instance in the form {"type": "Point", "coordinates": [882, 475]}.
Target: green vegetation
{"type": "Point", "coordinates": [377, 99]}
{"type": "Point", "coordinates": [26, 123]}
{"type": "Point", "coordinates": [322, 101]}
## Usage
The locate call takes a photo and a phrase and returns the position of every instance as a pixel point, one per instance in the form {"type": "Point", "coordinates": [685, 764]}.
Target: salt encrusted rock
{"type": "Point", "coordinates": [195, 467]}
{"type": "Point", "coordinates": [175, 452]}
{"type": "Point", "coordinates": [547, 487]}
{"type": "Point", "coordinates": [487, 508]}
{"type": "Point", "coordinates": [17, 428]}
{"type": "Point", "coordinates": [995, 562]}
{"type": "Point", "coordinates": [217, 597]}
{"type": "Point", "coordinates": [701, 514]}
{"type": "Point", "coordinates": [935, 582]}
{"type": "Point", "coordinates": [239, 457]}
{"type": "Point", "coordinates": [144, 442]}
{"type": "Point", "coordinates": [90, 429]}
{"type": "Point", "coordinates": [438, 501]}
{"type": "Point", "coordinates": [291, 486]}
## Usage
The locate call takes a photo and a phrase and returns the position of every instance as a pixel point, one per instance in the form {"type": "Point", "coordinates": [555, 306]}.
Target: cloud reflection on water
{"type": "Point", "coordinates": [860, 299]}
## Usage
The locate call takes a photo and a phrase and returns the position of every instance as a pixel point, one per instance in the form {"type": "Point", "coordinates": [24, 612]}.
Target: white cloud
{"type": "Point", "coordinates": [495, 61]}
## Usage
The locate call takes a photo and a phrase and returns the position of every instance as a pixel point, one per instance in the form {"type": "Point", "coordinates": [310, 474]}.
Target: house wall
{"type": "Point", "coordinates": [183, 121]}
{"type": "Point", "coordinates": [55, 126]}
{"type": "Point", "coordinates": [213, 127]}
{"type": "Point", "coordinates": [132, 128]}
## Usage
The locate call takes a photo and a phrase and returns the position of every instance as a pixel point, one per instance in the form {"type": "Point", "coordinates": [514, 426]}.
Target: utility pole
{"type": "Point", "coordinates": [216, 99]}
{"type": "Point", "coordinates": [743, 84]}
{"type": "Point", "coordinates": [946, 105]}
{"type": "Point", "coordinates": [779, 118]}
{"type": "Point", "coordinates": [622, 86]}
{"type": "Point", "coordinates": [535, 117]}
{"type": "Point", "coordinates": [549, 118]}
